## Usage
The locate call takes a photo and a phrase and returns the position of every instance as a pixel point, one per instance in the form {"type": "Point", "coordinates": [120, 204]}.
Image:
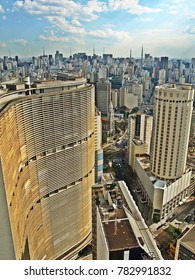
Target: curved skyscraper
{"type": "Point", "coordinates": [47, 160]}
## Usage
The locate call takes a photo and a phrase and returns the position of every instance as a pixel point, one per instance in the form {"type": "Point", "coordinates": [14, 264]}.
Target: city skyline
{"type": "Point", "coordinates": [164, 28]}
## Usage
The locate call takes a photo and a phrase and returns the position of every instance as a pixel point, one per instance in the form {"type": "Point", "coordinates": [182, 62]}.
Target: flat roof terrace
{"type": "Point", "coordinates": [118, 232]}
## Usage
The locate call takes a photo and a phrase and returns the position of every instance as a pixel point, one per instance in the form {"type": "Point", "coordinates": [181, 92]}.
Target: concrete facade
{"type": "Point", "coordinates": [48, 157]}
{"type": "Point", "coordinates": [163, 195]}
{"type": "Point", "coordinates": [171, 128]}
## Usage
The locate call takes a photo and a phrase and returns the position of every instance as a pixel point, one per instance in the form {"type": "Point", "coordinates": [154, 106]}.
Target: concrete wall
{"type": "Point", "coordinates": [102, 247]}
{"type": "Point", "coordinates": [177, 187]}
{"type": "Point", "coordinates": [6, 242]}
{"type": "Point", "coordinates": [144, 179]}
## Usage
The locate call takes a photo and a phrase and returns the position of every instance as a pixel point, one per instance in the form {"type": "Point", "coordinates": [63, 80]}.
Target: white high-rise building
{"type": "Point", "coordinates": [115, 98]}
{"type": "Point", "coordinates": [173, 107]}
{"type": "Point", "coordinates": [162, 76]}
{"type": "Point", "coordinates": [163, 178]}
{"type": "Point", "coordinates": [137, 89]}
{"type": "Point", "coordinates": [103, 73]}
{"type": "Point", "coordinates": [123, 91]}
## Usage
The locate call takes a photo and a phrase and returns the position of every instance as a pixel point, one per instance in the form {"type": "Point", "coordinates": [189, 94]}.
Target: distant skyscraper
{"type": "Point", "coordinates": [172, 118]}
{"type": "Point", "coordinates": [115, 98]}
{"type": "Point", "coordinates": [16, 59]}
{"type": "Point", "coordinates": [140, 129]}
{"type": "Point", "coordinates": [5, 61]}
{"type": "Point", "coordinates": [130, 54]}
{"type": "Point", "coordinates": [142, 56]}
{"type": "Point", "coordinates": [162, 76]}
{"type": "Point", "coordinates": [193, 62]}
{"type": "Point", "coordinates": [164, 65]}
{"type": "Point", "coordinates": [123, 91]}
{"type": "Point", "coordinates": [107, 58]}
{"type": "Point", "coordinates": [47, 162]}
{"type": "Point", "coordinates": [111, 119]}
{"type": "Point", "coordinates": [103, 96]}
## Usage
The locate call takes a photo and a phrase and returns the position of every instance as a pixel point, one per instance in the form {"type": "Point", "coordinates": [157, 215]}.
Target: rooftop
{"type": "Point", "coordinates": [118, 231]}
{"type": "Point", "coordinates": [160, 184]}
{"type": "Point", "coordinates": [11, 92]}
{"type": "Point", "coordinates": [185, 86]}
{"type": "Point", "coordinates": [122, 222]}
{"type": "Point", "coordinates": [119, 234]}
{"type": "Point", "coordinates": [138, 142]}
{"type": "Point", "coordinates": [108, 178]}
{"type": "Point", "coordinates": [144, 161]}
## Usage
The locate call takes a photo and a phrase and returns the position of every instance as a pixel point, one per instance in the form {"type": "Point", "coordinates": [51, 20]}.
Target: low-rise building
{"type": "Point", "coordinates": [185, 249]}
{"type": "Point", "coordinates": [119, 231]}
{"type": "Point", "coordinates": [162, 195]}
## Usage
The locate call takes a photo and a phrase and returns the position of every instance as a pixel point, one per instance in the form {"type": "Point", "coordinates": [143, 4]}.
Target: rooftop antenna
{"type": "Point", "coordinates": [10, 55]}
{"type": "Point", "coordinates": [43, 51]}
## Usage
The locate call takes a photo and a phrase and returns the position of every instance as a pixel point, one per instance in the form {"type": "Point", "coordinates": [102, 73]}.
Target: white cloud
{"type": "Point", "coordinates": [67, 16]}
{"type": "Point", "coordinates": [62, 8]}
{"type": "Point", "coordinates": [86, 12]}
{"type": "Point", "coordinates": [17, 5]}
{"type": "Point", "coordinates": [53, 38]}
{"type": "Point", "coordinates": [76, 22]}
{"type": "Point", "coordinates": [94, 5]}
{"type": "Point", "coordinates": [3, 44]}
{"type": "Point", "coordinates": [173, 10]}
{"type": "Point", "coordinates": [4, 17]}
{"type": "Point", "coordinates": [21, 42]}
{"type": "Point", "coordinates": [133, 7]}
{"type": "Point", "coordinates": [192, 15]}
{"type": "Point", "coordinates": [190, 30]}
{"type": "Point", "coordinates": [63, 25]}
{"type": "Point", "coordinates": [108, 32]}
{"type": "Point", "coordinates": [1, 9]}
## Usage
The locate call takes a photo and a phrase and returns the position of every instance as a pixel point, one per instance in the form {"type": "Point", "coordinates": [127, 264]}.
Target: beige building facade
{"type": "Point", "coordinates": [163, 178]}
{"type": "Point", "coordinates": [47, 158]}
{"type": "Point", "coordinates": [173, 107]}
{"type": "Point", "coordinates": [163, 196]}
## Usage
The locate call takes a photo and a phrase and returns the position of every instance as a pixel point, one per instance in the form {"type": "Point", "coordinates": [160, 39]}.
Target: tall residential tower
{"type": "Point", "coordinates": [164, 179]}
{"type": "Point", "coordinates": [172, 118]}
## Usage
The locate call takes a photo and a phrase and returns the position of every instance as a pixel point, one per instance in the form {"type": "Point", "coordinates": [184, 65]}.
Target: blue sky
{"type": "Point", "coordinates": [164, 28]}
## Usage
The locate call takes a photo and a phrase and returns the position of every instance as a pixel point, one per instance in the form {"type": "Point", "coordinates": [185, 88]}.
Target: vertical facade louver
{"type": "Point", "coordinates": [47, 157]}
